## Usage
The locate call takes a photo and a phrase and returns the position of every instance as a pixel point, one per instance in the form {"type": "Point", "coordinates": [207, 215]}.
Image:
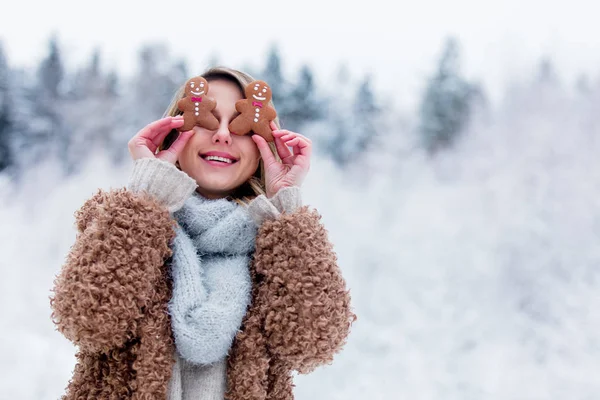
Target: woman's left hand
{"type": "Point", "coordinates": [294, 164]}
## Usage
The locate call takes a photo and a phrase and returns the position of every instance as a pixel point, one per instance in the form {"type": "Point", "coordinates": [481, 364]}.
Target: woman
{"type": "Point", "coordinates": [205, 278]}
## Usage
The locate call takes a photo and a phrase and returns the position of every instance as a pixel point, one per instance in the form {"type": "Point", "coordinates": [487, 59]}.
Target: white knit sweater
{"type": "Point", "coordinates": [173, 187]}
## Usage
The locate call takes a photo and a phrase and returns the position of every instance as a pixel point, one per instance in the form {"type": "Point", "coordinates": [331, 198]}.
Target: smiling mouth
{"type": "Point", "coordinates": [198, 93]}
{"type": "Point", "coordinates": [259, 98]}
{"type": "Point", "coordinates": [218, 161]}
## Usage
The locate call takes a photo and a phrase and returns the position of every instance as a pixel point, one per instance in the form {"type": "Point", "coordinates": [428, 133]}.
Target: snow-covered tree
{"type": "Point", "coordinates": [147, 95]}
{"type": "Point", "coordinates": [156, 81]}
{"type": "Point", "coordinates": [38, 98]}
{"type": "Point", "coordinates": [353, 121]}
{"type": "Point", "coordinates": [305, 102]}
{"type": "Point", "coordinates": [51, 71]}
{"type": "Point", "coordinates": [6, 118]}
{"type": "Point", "coordinates": [366, 111]}
{"type": "Point", "coordinates": [445, 107]}
{"type": "Point", "coordinates": [273, 74]}
{"type": "Point", "coordinates": [91, 106]}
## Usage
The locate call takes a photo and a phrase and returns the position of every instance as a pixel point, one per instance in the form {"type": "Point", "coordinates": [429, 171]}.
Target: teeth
{"type": "Point", "coordinates": [227, 160]}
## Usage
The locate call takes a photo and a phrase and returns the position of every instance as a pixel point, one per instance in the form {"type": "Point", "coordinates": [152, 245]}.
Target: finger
{"type": "Point", "coordinates": [172, 153]}
{"type": "Point", "coordinates": [156, 131]}
{"type": "Point", "coordinates": [175, 123]}
{"type": "Point", "coordinates": [283, 151]}
{"type": "Point", "coordinates": [273, 126]}
{"type": "Point", "coordinates": [264, 149]}
{"type": "Point", "coordinates": [151, 130]}
{"type": "Point", "coordinates": [287, 137]}
{"type": "Point", "coordinates": [293, 143]}
{"type": "Point", "coordinates": [281, 132]}
{"type": "Point", "coordinates": [300, 147]}
{"type": "Point", "coordinates": [153, 139]}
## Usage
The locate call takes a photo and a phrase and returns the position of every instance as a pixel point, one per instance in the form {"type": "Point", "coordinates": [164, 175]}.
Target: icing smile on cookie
{"type": "Point", "coordinates": [258, 98]}
{"type": "Point", "coordinates": [197, 93]}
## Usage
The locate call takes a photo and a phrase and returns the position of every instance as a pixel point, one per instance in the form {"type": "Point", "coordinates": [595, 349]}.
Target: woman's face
{"type": "Point", "coordinates": [217, 179]}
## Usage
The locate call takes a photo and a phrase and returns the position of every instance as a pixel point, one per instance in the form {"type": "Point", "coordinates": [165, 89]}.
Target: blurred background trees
{"type": "Point", "coordinates": [481, 216]}
{"type": "Point", "coordinates": [68, 114]}
{"type": "Point", "coordinates": [53, 111]}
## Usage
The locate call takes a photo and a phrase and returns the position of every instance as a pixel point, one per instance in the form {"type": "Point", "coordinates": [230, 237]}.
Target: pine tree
{"type": "Point", "coordinates": [305, 104]}
{"type": "Point", "coordinates": [147, 96]}
{"type": "Point", "coordinates": [88, 81]}
{"type": "Point", "coordinates": [353, 123]}
{"type": "Point", "coordinates": [273, 75]}
{"type": "Point", "coordinates": [6, 123]}
{"type": "Point", "coordinates": [366, 110]}
{"type": "Point", "coordinates": [92, 106]}
{"type": "Point", "coordinates": [547, 73]}
{"type": "Point", "coordinates": [157, 80]}
{"type": "Point", "coordinates": [51, 71]}
{"type": "Point", "coordinates": [445, 107]}
{"type": "Point", "coordinates": [112, 84]}
{"type": "Point", "coordinates": [42, 133]}
{"type": "Point", "coordinates": [547, 91]}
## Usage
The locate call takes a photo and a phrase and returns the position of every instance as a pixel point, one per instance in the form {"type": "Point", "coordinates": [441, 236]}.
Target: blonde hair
{"type": "Point", "coordinates": [254, 186]}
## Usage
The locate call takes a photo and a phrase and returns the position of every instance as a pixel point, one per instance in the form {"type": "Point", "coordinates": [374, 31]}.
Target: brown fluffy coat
{"type": "Point", "coordinates": [110, 299]}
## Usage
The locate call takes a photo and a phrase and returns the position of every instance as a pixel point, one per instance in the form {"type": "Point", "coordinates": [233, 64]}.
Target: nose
{"type": "Point", "coordinates": [222, 135]}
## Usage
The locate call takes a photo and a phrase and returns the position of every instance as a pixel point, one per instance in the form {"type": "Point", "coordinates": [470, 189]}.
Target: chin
{"type": "Point", "coordinates": [217, 181]}
{"type": "Point", "coordinates": [216, 185]}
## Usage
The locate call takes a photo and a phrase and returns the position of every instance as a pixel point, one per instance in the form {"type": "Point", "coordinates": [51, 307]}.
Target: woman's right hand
{"type": "Point", "coordinates": [147, 140]}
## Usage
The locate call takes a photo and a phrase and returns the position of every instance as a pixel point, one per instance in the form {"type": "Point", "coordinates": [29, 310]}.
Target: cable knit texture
{"type": "Point", "coordinates": [211, 291]}
{"type": "Point", "coordinates": [197, 382]}
{"type": "Point", "coordinates": [114, 295]}
{"type": "Point", "coordinates": [162, 180]}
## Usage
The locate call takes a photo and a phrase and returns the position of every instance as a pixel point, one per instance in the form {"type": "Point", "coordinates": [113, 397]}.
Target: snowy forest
{"type": "Point", "coordinates": [467, 229]}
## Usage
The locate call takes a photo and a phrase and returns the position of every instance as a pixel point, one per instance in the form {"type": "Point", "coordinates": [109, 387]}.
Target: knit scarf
{"type": "Point", "coordinates": [211, 279]}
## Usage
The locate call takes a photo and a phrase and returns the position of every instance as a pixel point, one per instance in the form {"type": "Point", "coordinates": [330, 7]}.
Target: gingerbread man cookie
{"type": "Point", "coordinates": [255, 112]}
{"type": "Point", "coordinates": [197, 106]}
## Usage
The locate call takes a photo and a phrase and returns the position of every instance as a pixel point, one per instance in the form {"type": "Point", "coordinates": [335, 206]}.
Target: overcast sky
{"type": "Point", "coordinates": [397, 42]}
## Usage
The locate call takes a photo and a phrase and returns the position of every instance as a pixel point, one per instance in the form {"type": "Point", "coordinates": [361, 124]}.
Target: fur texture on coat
{"type": "Point", "coordinates": [111, 296]}
{"type": "Point", "coordinates": [300, 315]}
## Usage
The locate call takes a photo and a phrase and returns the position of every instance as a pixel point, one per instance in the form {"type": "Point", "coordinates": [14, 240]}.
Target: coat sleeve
{"type": "Point", "coordinates": [111, 271]}
{"type": "Point", "coordinates": [309, 314]}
